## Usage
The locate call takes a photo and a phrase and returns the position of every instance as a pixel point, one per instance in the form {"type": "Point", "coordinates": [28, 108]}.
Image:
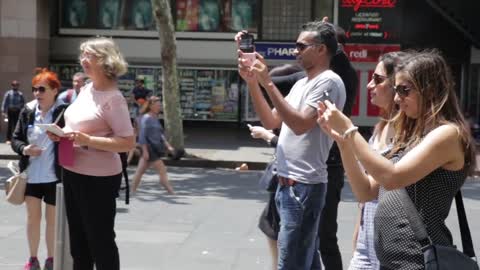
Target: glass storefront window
{"type": "Point", "coordinates": [216, 15]}
{"type": "Point", "coordinates": [190, 15]}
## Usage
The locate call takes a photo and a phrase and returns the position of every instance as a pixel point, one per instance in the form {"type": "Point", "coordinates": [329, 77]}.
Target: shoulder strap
{"type": "Point", "coordinates": [418, 226]}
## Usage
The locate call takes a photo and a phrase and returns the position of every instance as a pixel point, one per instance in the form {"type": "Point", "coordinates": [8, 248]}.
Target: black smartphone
{"type": "Point", "coordinates": [247, 43]}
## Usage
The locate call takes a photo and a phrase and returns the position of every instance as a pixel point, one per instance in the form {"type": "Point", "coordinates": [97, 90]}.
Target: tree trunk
{"type": "Point", "coordinates": [170, 88]}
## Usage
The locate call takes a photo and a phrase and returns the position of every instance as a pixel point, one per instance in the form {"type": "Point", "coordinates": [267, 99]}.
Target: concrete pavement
{"type": "Point", "coordinates": [210, 224]}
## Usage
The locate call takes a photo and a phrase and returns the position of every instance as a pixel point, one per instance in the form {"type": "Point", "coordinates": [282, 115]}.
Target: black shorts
{"type": "Point", "coordinates": [45, 191]}
{"type": "Point", "coordinates": [269, 221]}
{"type": "Point", "coordinates": [155, 153]}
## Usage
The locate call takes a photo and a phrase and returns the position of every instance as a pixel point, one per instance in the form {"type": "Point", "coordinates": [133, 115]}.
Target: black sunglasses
{"type": "Point", "coordinates": [40, 89]}
{"type": "Point", "coordinates": [378, 79]}
{"type": "Point", "coordinates": [402, 90]}
{"type": "Point", "coordinates": [302, 46]}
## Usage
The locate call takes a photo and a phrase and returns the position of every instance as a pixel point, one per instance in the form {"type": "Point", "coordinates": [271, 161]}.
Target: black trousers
{"type": "Point", "coordinates": [327, 231]}
{"type": "Point", "coordinates": [91, 207]}
{"type": "Point", "coordinates": [12, 114]}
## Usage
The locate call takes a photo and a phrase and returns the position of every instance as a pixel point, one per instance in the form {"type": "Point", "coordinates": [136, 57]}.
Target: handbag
{"type": "Point", "coordinates": [15, 186]}
{"type": "Point", "coordinates": [268, 180]}
{"type": "Point", "coordinates": [438, 257]}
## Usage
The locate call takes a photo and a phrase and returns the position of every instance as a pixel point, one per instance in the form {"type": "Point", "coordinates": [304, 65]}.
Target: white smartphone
{"type": "Point", "coordinates": [53, 128]}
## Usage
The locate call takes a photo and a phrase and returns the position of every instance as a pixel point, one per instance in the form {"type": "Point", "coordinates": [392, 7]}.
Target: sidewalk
{"type": "Point", "coordinates": [209, 148]}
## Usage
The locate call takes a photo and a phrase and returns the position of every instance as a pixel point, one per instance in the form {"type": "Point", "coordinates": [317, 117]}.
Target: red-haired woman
{"type": "Point", "coordinates": [39, 158]}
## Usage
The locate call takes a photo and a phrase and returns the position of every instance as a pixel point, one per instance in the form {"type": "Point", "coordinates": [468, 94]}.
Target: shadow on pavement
{"type": "Point", "coordinates": [199, 182]}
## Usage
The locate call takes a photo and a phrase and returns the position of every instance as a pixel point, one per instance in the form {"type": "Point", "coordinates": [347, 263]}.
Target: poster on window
{"type": "Point", "coordinates": [141, 16]}
{"type": "Point", "coordinates": [243, 14]}
{"type": "Point", "coordinates": [126, 82]}
{"type": "Point", "coordinates": [108, 16]}
{"type": "Point", "coordinates": [75, 14]}
{"type": "Point", "coordinates": [187, 15]}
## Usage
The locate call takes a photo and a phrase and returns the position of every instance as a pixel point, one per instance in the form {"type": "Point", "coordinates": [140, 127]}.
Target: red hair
{"type": "Point", "coordinates": [43, 74]}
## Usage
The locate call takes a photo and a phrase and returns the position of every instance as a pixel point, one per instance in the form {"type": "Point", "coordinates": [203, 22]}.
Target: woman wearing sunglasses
{"type": "Point", "coordinates": [431, 156]}
{"type": "Point", "coordinates": [39, 157]}
{"type": "Point", "coordinates": [382, 95]}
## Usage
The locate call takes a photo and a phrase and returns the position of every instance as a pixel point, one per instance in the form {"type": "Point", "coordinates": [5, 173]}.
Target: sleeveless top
{"type": "Point", "coordinates": [395, 243]}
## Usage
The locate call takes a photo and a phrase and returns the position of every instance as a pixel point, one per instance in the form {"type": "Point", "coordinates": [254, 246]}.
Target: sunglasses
{"type": "Point", "coordinates": [378, 79]}
{"type": "Point", "coordinates": [40, 89]}
{"type": "Point", "coordinates": [402, 90]}
{"type": "Point", "coordinates": [302, 46]}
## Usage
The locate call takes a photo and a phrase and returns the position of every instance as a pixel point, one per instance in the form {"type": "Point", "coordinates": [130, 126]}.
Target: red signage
{"type": "Point", "coordinates": [368, 53]}
{"type": "Point", "coordinates": [357, 4]}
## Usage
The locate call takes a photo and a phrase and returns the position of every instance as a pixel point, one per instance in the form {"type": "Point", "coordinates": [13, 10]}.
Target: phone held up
{"type": "Point", "coordinates": [247, 46]}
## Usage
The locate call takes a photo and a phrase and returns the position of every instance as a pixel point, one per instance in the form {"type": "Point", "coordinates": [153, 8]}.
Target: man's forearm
{"type": "Point", "coordinates": [261, 106]}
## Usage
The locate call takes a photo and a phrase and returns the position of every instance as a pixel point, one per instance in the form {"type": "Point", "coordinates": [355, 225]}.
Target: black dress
{"type": "Point", "coordinates": [395, 244]}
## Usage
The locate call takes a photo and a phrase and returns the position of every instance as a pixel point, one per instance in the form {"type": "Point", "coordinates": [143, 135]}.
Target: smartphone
{"type": "Point", "coordinates": [326, 96]}
{"type": "Point", "coordinates": [247, 46]}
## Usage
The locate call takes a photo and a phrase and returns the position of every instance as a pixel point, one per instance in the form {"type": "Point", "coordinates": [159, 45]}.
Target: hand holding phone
{"type": "Point", "coordinates": [247, 46]}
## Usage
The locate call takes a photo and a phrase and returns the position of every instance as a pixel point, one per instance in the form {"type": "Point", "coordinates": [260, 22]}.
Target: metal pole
{"type": "Point", "coordinates": [63, 259]}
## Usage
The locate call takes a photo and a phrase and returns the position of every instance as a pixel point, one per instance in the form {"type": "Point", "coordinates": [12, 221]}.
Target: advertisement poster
{"type": "Point", "coordinates": [187, 15]}
{"type": "Point", "coordinates": [209, 16]}
{"type": "Point", "coordinates": [75, 14]}
{"type": "Point", "coordinates": [371, 21]}
{"type": "Point", "coordinates": [141, 17]}
{"type": "Point", "coordinates": [243, 15]}
{"type": "Point", "coordinates": [108, 15]}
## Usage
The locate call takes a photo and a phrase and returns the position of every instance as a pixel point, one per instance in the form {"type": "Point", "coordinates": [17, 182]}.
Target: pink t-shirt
{"type": "Point", "coordinates": [103, 114]}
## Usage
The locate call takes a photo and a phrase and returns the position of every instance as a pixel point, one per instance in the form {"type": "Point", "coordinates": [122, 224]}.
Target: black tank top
{"type": "Point", "coordinates": [395, 244]}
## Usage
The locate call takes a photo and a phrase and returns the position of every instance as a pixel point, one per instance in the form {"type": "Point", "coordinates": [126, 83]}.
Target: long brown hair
{"type": "Point", "coordinates": [430, 75]}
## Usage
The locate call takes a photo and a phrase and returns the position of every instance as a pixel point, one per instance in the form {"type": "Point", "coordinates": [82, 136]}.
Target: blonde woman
{"type": "Point", "coordinates": [98, 122]}
{"type": "Point", "coordinates": [153, 143]}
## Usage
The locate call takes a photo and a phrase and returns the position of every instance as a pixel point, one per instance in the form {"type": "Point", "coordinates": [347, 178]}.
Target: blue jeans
{"type": "Point", "coordinates": [299, 207]}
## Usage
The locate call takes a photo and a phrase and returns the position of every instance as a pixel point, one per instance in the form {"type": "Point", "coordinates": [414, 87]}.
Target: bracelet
{"type": "Point", "coordinates": [349, 131]}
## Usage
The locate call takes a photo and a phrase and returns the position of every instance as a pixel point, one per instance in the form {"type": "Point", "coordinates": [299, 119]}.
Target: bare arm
{"type": "Point", "coordinates": [113, 144]}
{"type": "Point", "coordinates": [440, 148]}
{"type": "Point", "coordinates": [269, 118]}
{"type": "Point", "coordinates": [363, 186]}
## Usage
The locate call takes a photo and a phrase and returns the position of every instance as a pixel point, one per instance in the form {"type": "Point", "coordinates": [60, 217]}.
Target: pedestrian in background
{"type": "Point", "coordinates": [78, 81]}
{"type": "Point", "coordinates": [154, 144]}
{"type": "Point", "coordinates": [431, 156]}
{"type": "Point", "coordinates": [39, 157]}
{"type": "Point", "coordinates": [13, 102]}
{"type": "Point", "coordinates": [98, 123]}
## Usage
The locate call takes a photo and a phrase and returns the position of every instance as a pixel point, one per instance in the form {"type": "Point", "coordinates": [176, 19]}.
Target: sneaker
{"type": "Point", "coordinates": [48, 264]}
{"type": "Point", "coordinates": [32, 264]}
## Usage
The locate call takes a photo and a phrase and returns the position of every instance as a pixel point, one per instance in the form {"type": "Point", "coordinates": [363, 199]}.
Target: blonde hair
{"type": "Point", "coordinates": [431, 77]}
{"type": "Point", "coordinates": [108, 54]}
